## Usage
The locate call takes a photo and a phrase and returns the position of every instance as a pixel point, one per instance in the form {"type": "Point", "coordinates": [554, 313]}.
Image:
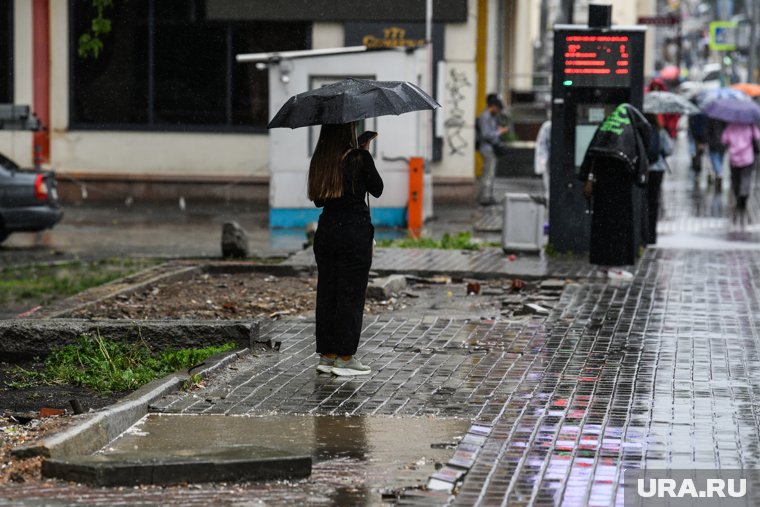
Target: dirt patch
{"type": "Point", "coordinates": [264, 296]}
{"type": "Point", "coordinates": [16, 396]}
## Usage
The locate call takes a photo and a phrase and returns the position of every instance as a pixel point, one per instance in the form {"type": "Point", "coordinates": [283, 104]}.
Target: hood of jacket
{"type": "Point", "coordinates": [624, 136]}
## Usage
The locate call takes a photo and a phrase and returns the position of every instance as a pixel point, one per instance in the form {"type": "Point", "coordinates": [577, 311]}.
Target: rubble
{"type": "Point", "coordinates": [234, 241]}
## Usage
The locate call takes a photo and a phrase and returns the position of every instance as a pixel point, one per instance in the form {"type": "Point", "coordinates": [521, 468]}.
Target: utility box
{"type": "Point", "coordinates": [400, 137]}
{"type": "Point", "coordinates": [523, 228]}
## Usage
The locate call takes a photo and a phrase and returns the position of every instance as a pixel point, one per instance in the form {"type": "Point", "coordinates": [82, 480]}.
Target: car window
{"type": "Point", "coordinates": [8, 163]}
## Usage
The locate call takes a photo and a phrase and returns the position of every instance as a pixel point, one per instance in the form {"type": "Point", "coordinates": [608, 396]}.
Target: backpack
{"type": "Point", "coordinates": [654, 151]}
{"type": "Point", "coordinates": [477, 133]}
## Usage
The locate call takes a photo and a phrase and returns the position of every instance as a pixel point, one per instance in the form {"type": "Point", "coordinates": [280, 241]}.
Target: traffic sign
{"type": "Point", "coordinates": [722, 35]}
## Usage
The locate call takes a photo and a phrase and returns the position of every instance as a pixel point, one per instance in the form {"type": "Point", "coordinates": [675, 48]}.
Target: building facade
{"type": "Point", "coordinates": [165, 111]}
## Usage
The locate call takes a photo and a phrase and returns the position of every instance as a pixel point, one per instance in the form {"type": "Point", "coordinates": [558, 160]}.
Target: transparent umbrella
{"type": "Point", "coordinates": [667, 102]}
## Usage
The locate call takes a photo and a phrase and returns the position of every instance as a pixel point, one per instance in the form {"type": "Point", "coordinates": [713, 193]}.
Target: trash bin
{"type": "Point", "coordinates": [523, 227]}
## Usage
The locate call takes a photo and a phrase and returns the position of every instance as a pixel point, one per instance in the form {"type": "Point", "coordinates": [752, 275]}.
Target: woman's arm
{"type": "Point", "coordinates": [374, 181]}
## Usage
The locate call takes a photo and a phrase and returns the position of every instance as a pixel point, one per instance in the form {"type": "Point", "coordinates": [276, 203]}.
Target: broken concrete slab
{"type": "Point", "coordinates": [552, 285]}
{"type": "Point", "coordinates": [534, 309]}
{"type": "Point", "coordinates": [39, 337]}
{"type": "Point", "coordinates": [234, 241]}
{"type": "Point", "coordinates": [226, 464]}
{"type": "Point", "coordinates": [383, 288]}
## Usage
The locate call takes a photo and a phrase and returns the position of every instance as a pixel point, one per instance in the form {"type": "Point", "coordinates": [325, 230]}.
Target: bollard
{"type": "Point", "coordinates": [416, 203]}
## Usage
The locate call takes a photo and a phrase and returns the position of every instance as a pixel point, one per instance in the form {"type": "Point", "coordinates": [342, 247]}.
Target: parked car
{"type": "Point", "coordinates": [28, 199]}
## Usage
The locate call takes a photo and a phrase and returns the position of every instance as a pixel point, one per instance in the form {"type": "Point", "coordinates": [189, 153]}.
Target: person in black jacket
{"type": "Point", "coordinates": [340, 177]}
{"type": "Point", "coordinates": [615, 171]}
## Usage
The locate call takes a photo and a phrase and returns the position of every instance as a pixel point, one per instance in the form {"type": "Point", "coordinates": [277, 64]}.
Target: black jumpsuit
{"type": "Point", "coordinates": [343, 250]}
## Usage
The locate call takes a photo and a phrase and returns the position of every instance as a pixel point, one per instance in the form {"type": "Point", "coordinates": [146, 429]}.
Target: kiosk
{"type": "Point", "coordinates": [595, 68]}
{"type": "Point", "coordinates": [401, 139]}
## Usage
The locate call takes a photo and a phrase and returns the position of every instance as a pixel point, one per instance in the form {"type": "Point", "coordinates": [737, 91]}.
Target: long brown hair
{"type": "Point", "coordinates": [326, 167]}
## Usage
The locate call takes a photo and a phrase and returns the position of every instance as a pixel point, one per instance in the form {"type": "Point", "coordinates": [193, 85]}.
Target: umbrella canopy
{"type": "Point", "coordinates": [670, 73]}
{"type": "Point", "coordinates": [706, 97]}
{"type": "Point", "coordinates": [734, 111]}
{"type": "Point", "coordinates": [666, 102]}
{"type": "Point", "coordinates": [751, 89]}
{"type": "Point", "coordinates": [351, 100]}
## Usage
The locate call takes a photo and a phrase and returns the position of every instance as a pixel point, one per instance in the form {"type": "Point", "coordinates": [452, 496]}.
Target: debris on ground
{"type": "Point", "coordinates": [15, 431]}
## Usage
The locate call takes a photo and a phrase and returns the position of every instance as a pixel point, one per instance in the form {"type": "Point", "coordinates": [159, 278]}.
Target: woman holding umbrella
{"type": "Point", "coordinates": [715, 124]}
{"type": "Point", "coordinates": [340, 176]}
{"type": "Point", "coordinates": [740, 139]}
{"type": "Point", "coordinates": [739, 136]}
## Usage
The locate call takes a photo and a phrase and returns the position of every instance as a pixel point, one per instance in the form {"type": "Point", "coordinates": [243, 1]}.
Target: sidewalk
{"type": "Point", "coordinates": [660, 372]}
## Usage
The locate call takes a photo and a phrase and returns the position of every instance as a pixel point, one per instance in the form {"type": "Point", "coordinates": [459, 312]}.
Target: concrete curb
{"type": "Point", "coordinates": [166, 272]}
{"type": "Point", "coordinates": [239, 267]}
{"type": "Point", "coordinates": [100, 472]}
{"type": "Point", "coordinates": [95, 431]}
{"type": "Point", "coordinates": [31, 337]}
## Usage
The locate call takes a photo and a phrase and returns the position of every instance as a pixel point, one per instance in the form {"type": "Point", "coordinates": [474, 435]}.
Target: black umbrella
{"type": "Point", "coordinates": [350, 100]}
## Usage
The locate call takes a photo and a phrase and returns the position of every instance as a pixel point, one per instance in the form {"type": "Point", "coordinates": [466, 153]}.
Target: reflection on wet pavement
{"type": "Point", "coordinates": [388, 453]}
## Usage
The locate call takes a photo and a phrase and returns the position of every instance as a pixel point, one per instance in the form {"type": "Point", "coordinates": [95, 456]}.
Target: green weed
{"type": "Point", "coordinates": [193, 381]}
{"type": "Point", "coordinates": [461, 241]}
{"type": "Point", "coordinates": [108, 366]}
{"type": "Point", "coordinates": [41, 284]}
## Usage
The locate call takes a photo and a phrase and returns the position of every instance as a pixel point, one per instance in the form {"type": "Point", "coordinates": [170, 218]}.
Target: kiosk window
{"type": "Point", "coordinates": [596, 60]}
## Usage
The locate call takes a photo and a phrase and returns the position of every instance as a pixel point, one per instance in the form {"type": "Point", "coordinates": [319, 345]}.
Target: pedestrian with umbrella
{"type": "Point", "coordinates": [714, 130]}
{"type": "Point", "coordinates": [660, 147]}
{"type": "Point", "coordinates": [341, 178]}
{"type": "Point", "coordinates": [741, 137]}
{"type": "Point", "coordinates": [669, 120]}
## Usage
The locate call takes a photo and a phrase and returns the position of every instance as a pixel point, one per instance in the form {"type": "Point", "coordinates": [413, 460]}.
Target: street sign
{"type": "Point", "coordinates": [659, 20]}
{"type": "Point", "coordinates": [722, 35]}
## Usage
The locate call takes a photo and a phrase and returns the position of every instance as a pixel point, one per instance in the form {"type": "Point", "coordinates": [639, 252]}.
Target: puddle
{"type": "Point", "coordinates": [386, 452]}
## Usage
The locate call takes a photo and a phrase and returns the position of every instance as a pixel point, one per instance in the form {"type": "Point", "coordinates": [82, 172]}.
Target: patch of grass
{"type": "Point", "coordinates": [42, 284]}
{"type": "Point", "coordinates": [461, 241]}
{"type": "Point", "coordinates": [551, 251]}
{"type": "Point", "coordinates": [108, 366]}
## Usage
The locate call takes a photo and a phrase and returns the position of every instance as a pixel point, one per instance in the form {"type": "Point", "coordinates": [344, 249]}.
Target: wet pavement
{"type": "Point", "coordinates": [165, 231]}
{"type": "Point", "coordinates": [392, 452]}
{"type": "Point", "coordinates": [659, 372]}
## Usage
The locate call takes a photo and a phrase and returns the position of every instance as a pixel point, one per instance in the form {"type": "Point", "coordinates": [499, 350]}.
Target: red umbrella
{"type": "Point", "coordinates": [670, 73]}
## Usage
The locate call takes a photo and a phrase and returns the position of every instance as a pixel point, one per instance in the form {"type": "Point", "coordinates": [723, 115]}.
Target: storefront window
{"type": "Point", "coordinates": [6, 51]}
{"type": "Point", "coordinates": [166, 66]}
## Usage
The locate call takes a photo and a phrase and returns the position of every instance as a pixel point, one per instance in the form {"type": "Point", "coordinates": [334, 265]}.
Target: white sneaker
{"type": "Point", "coordinates": [619, 274]}
{"type": "Point", "coordinates": [349, 368]}
{"type": "Point", "coordinates": [325, 364]}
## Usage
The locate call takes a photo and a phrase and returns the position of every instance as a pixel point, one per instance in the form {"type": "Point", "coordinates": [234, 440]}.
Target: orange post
{"type": "Point", "coordinates": [414, 212]}
{"type": "Point", "coordinates": [41, 81]}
